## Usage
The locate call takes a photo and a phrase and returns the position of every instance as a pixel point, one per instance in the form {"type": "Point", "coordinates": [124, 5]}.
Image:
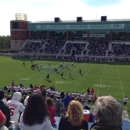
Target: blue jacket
{"type": "Point", "coordinates": [66, 101]}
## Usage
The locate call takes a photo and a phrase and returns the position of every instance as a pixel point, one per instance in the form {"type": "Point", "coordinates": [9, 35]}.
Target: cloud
{"type": "Point", "coordinates": [46, 10]}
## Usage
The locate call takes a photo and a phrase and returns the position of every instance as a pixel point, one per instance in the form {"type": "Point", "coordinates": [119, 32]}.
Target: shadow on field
{"type": "Point", "coordinates": [72, 78]}
{"type": "Point", "coordinates": [82, 74]}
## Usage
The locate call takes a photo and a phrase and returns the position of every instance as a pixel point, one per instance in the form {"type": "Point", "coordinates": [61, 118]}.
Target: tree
{"type": "Point", "coordinates": [5, 41]}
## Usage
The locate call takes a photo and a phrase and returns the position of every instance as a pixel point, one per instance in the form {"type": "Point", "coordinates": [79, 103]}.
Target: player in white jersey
{"type": "Point", "coordinates": [29, 90]}
{"type": "Point", "coordinates": [16, 88]}
{"type": "Point", "coordinates": [72, 64]}
{"type": "Point", "coordinates": [15, 106]}
{"type": "Point", "coordinates": [8, 89]}
{"type": "Point", "coordinates": [69, 73]}
{"type": "Point", "coordinates": [125, 100]}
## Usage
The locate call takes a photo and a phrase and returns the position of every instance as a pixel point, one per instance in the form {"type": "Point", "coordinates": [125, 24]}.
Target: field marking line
{"type": "Point", "coordinates": [101, 78]}
{"type": "Point", "coordinates": [121, 86]}
{"type": "Point", "coordinates": [73, 71]}
{"type": "Point", "coordinates": [83, 78]}
{"type": "Point", "coordinates": [120, 81]}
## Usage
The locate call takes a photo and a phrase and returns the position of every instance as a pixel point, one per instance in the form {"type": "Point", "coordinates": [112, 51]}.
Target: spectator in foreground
{"type": "Point", "coordinates": [2, 121]}
{"type": "Point", "coordinates": [35, 115]}
{"type": "Point", "coordinates": [43, 90]}
{"type": "Point", "coordinates": [15, 106]}
{"type": "Point", "coordinates": [51, 110]}
{"type": "Point", "coordinates": [66, 101]}
{"type": "Point", "coordinates": [6, 111]}
{"type": "Point", "coordinates": [74, 118]}
{"type": "Point", "coordinates": [108, 114]}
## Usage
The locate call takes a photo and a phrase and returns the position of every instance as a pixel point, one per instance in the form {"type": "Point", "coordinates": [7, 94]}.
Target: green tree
{"type": "Point", "coordinates": [4, 42]}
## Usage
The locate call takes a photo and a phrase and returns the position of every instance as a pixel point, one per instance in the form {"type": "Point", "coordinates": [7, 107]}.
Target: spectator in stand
{"type": "Point", "coordinates": [74, 118]}
{"type": "Point", "coordinates": [43, 90]}
{"type": "Point", "coordinates": [2, 121]}
{"type": "Point", "coordinates": [35, 115]}
{"type": "Point", "coordinates": [5, 110]}
{"type": "Point", "coordinates": [51, 110]}
{"type": "Point", "coordinates": [66, 101]}
{"type": "Point", "coordinates": [59, 107]}
{"type": "Point", "coordinates": [108, 114]}
{"type": "Point", "coordinates": [15, 106]}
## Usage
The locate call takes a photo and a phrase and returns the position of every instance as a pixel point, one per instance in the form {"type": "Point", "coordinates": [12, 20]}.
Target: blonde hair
{"type": "Point", "coordinates": [75, 113]}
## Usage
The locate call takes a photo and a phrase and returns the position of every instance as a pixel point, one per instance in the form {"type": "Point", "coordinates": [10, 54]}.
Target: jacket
{"type": "Point", "coordinates": [99, 126]}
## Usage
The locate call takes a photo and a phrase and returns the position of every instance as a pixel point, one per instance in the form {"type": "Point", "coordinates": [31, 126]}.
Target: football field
{"type": "Point", "coordinates": [106, 78]}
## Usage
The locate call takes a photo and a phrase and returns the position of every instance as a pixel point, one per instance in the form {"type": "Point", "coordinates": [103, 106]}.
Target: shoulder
{"type": "Point", "coordinates": [85, 123]}
{"type": "Point", "coordinates": [63, 119]}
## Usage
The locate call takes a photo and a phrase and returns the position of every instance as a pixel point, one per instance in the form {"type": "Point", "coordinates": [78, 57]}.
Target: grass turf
{"type": "Point", "coordinates": [105, 78]}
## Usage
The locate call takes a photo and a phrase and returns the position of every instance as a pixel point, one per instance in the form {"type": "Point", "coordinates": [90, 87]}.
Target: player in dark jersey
{"type": "Point", "coordinates": [47, 76]}
{"type": "Point", "coordinates": [62, 74]}
{"type": "Point", "coordinates": [79, 70]}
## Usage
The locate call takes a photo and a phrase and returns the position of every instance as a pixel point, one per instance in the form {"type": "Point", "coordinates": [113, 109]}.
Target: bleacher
{"type": "Point", "coordinates": [97, 47]}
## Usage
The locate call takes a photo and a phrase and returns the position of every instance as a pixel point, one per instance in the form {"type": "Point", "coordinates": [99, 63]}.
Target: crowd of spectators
{"type": "Point", "coordinates": [37, 111]}
{"type": "Point", "coordinates": [77, 46]}
{"type": "Point", "coordinates": [33, 46]}
{"type": "Point", "coordinates": [53, 46]}
{"type": "Point", "coordinates": [120, 49]}
{"type": "Point", "coordinates": [98, 47]}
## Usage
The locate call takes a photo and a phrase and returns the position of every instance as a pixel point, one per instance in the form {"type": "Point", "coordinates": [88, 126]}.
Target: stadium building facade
{"type": "Point", "coordinates": [79, 29]}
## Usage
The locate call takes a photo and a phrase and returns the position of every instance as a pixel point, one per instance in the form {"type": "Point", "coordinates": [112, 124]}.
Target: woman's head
{"type": "Point", "coordinates": [49, 102]}
{"type": "Point", "coordinates": [108, 111]}
{"type": "Point", "coordinates": [35, 111]}
{"type": "Point", "coordinates": [75, 113]}
{"type": "Point", "coordinates": [42, 87]}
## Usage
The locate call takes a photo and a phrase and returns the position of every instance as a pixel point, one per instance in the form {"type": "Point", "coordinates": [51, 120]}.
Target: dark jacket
{"type": "Point", "coordinates": [99, 126]}
{"type": "Point", "coordinates": [66, 101]}
{"type": "Point", "coordinates": [64, 124]}
{"type": "Point", "coordinates": [44, 93]}
{"type": "Point", "coordinates": [6, 111]}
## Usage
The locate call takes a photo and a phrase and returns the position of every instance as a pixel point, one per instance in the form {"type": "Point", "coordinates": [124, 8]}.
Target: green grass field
{"type": "Point", "coordinates": [105, 78]}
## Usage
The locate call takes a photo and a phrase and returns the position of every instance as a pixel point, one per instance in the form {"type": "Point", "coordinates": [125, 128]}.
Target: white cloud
{"type": "Point", "coordinates": [44, 10]}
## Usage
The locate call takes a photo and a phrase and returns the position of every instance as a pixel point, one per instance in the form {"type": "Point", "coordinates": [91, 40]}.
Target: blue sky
{"type": "Point", "coordinates": [98, 3]}
{"type": "Point", "coordinates": [46, 10]}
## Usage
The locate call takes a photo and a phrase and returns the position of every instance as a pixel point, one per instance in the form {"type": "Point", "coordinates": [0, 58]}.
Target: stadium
{"type": "Point", "coordinates": [77, 55]}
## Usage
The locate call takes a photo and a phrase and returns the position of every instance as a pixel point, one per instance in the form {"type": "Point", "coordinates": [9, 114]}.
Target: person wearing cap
{"type": "Point", "coordinates": [15, 106]}
{"type": "Point", "coordinates": [2, 121]}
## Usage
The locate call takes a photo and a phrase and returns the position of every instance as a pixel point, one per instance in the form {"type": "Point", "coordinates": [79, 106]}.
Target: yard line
{"type": "Point", "coordinates": [83, 78]}
{"type": "Point", "coordinates": [73, 71]}
{"type": "Point", "coordinates": [101, 78]}
{"type": "Point", "coordinates": [120, 82]}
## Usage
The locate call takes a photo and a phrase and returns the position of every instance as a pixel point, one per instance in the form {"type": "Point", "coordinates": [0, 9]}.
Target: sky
{"type": "Point", "coordinates": [47, 10]}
